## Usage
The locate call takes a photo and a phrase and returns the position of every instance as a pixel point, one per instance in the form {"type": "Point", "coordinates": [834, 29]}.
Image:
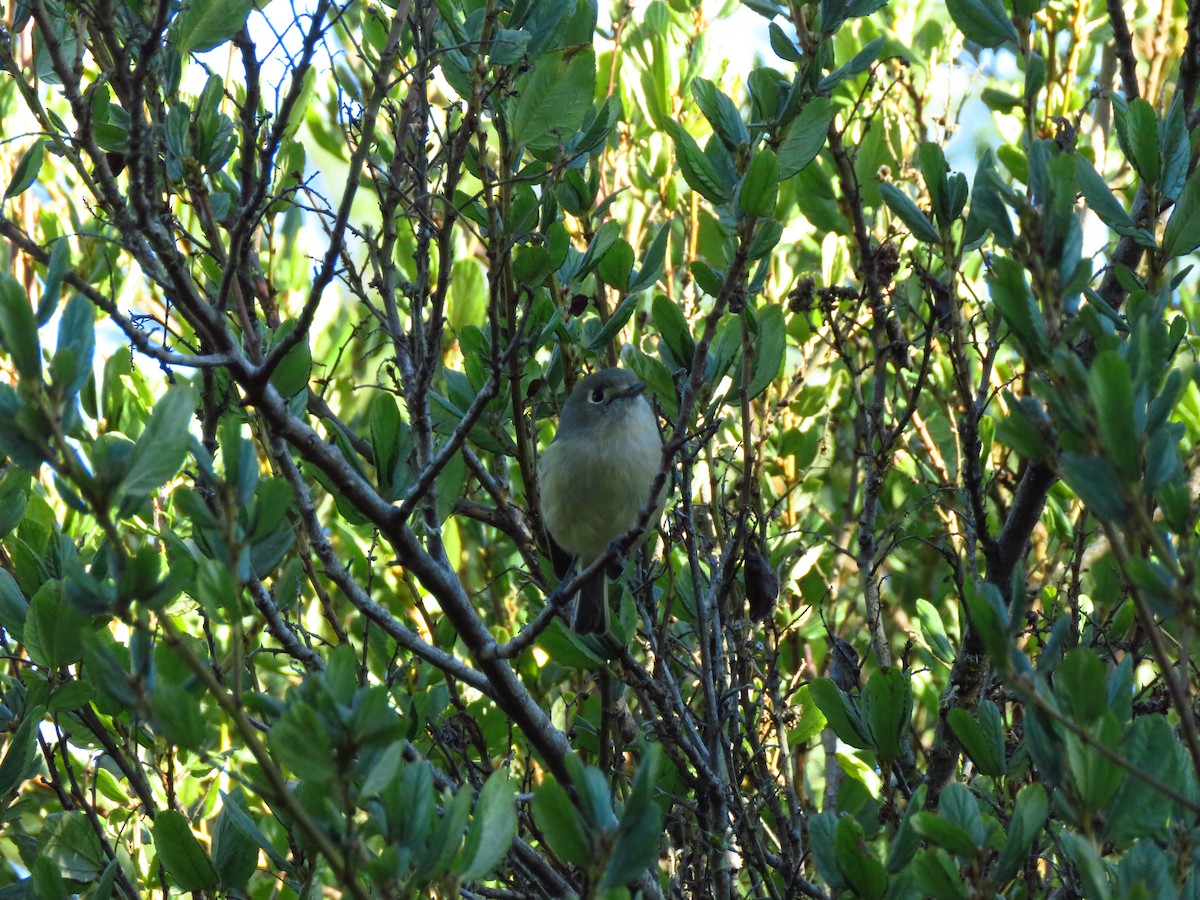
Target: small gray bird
{"type": "Point", "coordinates": [596, 477]}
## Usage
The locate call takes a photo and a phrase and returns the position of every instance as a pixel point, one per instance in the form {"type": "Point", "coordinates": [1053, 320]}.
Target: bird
{"type": "Point", "coordinates": [596, 475]}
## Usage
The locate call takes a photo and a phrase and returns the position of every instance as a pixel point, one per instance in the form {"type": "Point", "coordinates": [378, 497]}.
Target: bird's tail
{"type": "Point", "coordinates": [591, 606]}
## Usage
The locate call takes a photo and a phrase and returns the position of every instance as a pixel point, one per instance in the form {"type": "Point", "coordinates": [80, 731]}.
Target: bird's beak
{"type": "Point", "coordinates": [638, 387]}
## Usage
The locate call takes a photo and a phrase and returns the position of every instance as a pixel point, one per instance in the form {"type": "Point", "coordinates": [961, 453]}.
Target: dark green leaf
{"type": "Point", "coordinates": [26, 172]}
{"type": "Point", "coordinates": [770, 344]}
{"type": "Point", "coordinates": [1096, 483]}
{"type": "Point", "coordinates": [1029, 814]}
{"type": "Point", "coordinates": [234, 850]}
{"type": "Point", "coordinates": [560, 823]}
{"type": "Point", "coordinates": [493, 827]}
{"type": "Point", "coordinates": [760, 185]}
{"type": "Point", "coordinates": [20, 759]}
{"type": "Point", "coordinates": [939, 830]}
{"type": "Point", "coordinates": [162, 445]}
{"type": "Point", "coordinates": [176, 716]}
{"type": "Point", "coordinates": [1182, 234]}
{"type": "Point", "coordinates": [615, 322]}
{"type": "Point", "coordinates": [204, 24]}
{"type": "Point", "coordinates": [886, 709]}
{"type": "Point", "coordinates": [447, 835]}
{"type": "Point", "coordinates": [697, 171]}
{"type": "Point", "coordinates": [1175, 149]}
{"type": "Point", "coordinates": [616, 266]}
{"type": "Point", "coordinates": [54, 628]}
{"type": "Point", "coordinates": [673, 328]}
{"type": "Point", "coordinates": [843, 718]}
{"type": "Point", "coordinates": [861, 869]}
{"type": "Point", "coordinates": [858, 64]}
{"type": "Point", "coordinates": [806, 136]}
{"type": "Point", "coordinates": [1141, 130]}
{"type": "Point", "coordinates": [1100, 198]}
{"type": "Point", "coordinates": [18, 329]}
{"type": "Point", "coordinates": [553, 99]}
{"type": "Point", "coordinates": [13, 607]}
{"type": "Point", "coordinates": [641, 826]}
{"type": "Point", "coordinates": [782, 44]}
{"type": "Point", "coordinates": [721, 112]}
{"type": "Point", "coordinates": [181, 854]}
{"type": "Point", "coordinates": [1011, 293]}
{"type": "Point", "coordinates": [937, 876]}
{"type": "Point", "coordinates": [985, 22]}
{"type": "Point", "coordinates": [909, 213]}
{"type": "Point", "coordinates": [72, 363]}
{"type": "Point", "coordinates": [987, 747]}
{"type": "Point", "coordinates": [602, 241]}
{"type": "Point", "coordinates": [1111, 387]}
{"type": "Point", "coordinates": [652, 263]}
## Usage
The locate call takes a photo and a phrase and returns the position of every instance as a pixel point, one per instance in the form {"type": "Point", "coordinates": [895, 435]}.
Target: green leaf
{"type": "Point", "coordinates": [989, 618]}
{"type": "Point", "coordinates": [493, 827]}
{"type": "Point", "coordinates": [447, 836]}
{"type": "Point", "coordinates": [1111, 387]}
{"type": "Point", "coordinates": [909, 213]}
{"type": "Point", "coordinates": [162, 445]}
{"type": "Point", "coordinates": [866, 874]}
{"type": "Point", "coordinates": [176, 716]}
{"type": "Point", "coordinates": [859, 63]}
{"type": "Point", "coordinates": [886, 710]}
{"type": "Point", "coordinates": [602, 241]}
{"type": "Point", "coordinates": [234, 851]}
{"type": "Point", "coordinates": [934, 631]}
{"type": "Point", "coordinates": [985, 22]}
{"type": "Point", "coordinates": [982, 738]}
{"type": "Point", "coordinates": [822, 834]}
{"type": "Point", "coordinates": [939, 830]}
{"type": "Point", "coordinates": [1175, 149]}
{"type": "Point", "coordinates": [26, 172]}
{"type": "Point", "coordinates": [760, 185]}
{"type": "Point", "coordinates": [721, 112]}
{"type": "Point", "coordinates": [1096, 483]}
{"type": "Point", "coordinates": [937, 876]}
{"type": "Point", "coordinates": [560, 823]}
{"type": "Point", "coordinates": [1141, 131]}
{"type": "Point", "coordinates": [553, 99]}
{"type": "Point", "coordinates": [47, 881]}
{"type": "Point", "coordinates": [20, 759]}
{"type": "Point", "coordinates": [641, 826]}
{"type": "Point", "coordinates": [673, 329]}
{"type": "Point", "coordinates": [959, 806]}
{"type": "Point", "coordinates": [1100, 198]}
{"type": "Point", "coordinates": [56, 271]}
{"type": "Point", "coordinates": [616, 266]}
{"type": "Point", "coordinates": [1182, 234]}
{"type": "Point", "coordinates": [805, 136]}
{"type": "Point", "coordinates": [291, 373]}
{"type": "Point", "coordinates": [204, 24]}
{"type": "Point", "coordinates": [181, 854]}
{"type": "Point", "coordinates": [1012, 296]}
{"type": "Point", "coordinates": [18, 329]}
{"type": "Point", "coordinates": [904, 845]}
{"type": "Point", "coordinates": [697, 171]}
{"type": "Point", "coordinates": [72, 363]}
{"type": "Point", "coordinates": [13, 607]}
{"type": "Point", "coordinates": [615, 323]}
{"type": "Point", "coordinates": [652, 263]}
{"type": "Point", "coordinates": [843, 718]}
{"type": "Point", "coordinates": [1081, 686]}
{"type": "Point", "coordinates": [54, 628]}
{"type": "Point", "coordinates": [770, 345]}
{"type": "Point", "coordinates": [1029, 814]}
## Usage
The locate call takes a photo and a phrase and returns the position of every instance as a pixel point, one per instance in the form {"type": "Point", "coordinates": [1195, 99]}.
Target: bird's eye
{"type": "Point", "coordinates": [597, 395]}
